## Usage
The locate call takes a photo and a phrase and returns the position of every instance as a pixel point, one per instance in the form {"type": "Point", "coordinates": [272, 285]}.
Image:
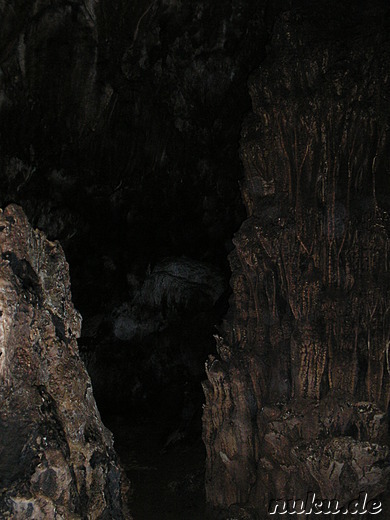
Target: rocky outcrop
{"type": "Point", "coordinates": [298, 399]}
{"type": "Point", "coordinates": [56, 457]}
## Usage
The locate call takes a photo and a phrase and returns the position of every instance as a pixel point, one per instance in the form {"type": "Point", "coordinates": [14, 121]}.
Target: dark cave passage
{"type": "Point", "coordinates": [217, 176]}
{"type": "Point", "coordinates": [119, 129]}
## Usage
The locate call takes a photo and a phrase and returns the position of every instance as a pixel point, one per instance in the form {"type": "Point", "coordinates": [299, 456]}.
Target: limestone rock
{"type": "Point", "coordinates": [298, 401]}
{"type": "Point", "coordinates": [56, 457]}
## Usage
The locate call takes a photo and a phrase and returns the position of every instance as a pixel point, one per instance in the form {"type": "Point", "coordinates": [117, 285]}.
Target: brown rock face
{"type": "Point", "coordinates": [298, 400]}
{"type": "Point", "coordinates": [56, 458]}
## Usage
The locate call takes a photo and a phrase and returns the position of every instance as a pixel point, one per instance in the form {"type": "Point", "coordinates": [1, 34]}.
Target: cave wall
{"type": "Point", "coordinates": [119, 125]}
{"type": "Point", "coordinates": [297, 400]}
{"type": "Point", "coordinates": [57, 459]}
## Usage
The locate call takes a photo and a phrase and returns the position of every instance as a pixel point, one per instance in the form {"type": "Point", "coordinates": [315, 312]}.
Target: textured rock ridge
{"type": "Point", "coordinates": [299, 396]}
{"type": "Point", "coordinates": [56, 458]}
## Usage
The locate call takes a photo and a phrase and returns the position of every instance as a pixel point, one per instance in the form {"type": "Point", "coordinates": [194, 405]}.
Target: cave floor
{"type": "Point", "coordinates": [167, 483]}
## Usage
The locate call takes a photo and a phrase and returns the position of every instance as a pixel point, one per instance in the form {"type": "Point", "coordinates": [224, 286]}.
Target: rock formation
{"type": "Point", "coordinates": [119, 129]}
{"type": "Point", "coordinates": [119, 132]}
{"type": "Point", "coordinates": [56, 458]}
{"type": "Point", "coordinates": [150, 349]}
{"type": "Point", "coordinates": [298, 399]}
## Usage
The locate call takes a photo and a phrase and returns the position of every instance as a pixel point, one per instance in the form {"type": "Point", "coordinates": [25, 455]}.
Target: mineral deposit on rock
{"type": "Point", "coordinates": [298, 399]}
{"type": "Point", "coordinates": [57, 459]}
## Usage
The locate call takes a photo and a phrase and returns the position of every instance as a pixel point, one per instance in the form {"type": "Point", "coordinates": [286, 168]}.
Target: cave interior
{"type": "Point", "coordinates": [151, 138]}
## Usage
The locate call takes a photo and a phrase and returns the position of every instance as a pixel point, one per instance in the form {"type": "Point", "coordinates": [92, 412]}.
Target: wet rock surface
{"type": "Point", "coordinates": [56, 457]}
{"type": "Point", "coordinates": [298, 398]}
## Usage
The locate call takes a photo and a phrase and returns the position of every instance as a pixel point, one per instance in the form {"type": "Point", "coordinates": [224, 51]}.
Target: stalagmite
{"type": "Point", "coordinates": [300, 404]}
